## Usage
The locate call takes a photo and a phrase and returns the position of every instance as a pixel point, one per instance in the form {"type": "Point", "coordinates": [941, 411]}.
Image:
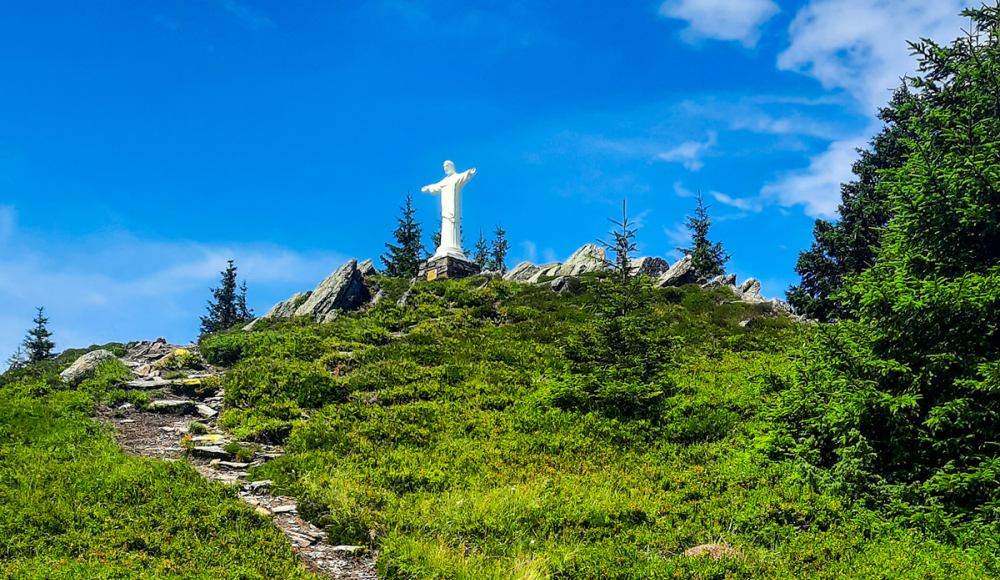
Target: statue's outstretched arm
{"type": "Point", "coordinates": [467, 175]}
{"type": "Point", "coordinates": [435, 188]}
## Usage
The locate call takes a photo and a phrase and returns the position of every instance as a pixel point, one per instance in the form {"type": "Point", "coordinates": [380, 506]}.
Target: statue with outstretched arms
{"type": "Point", "coordinates": [450, 189]}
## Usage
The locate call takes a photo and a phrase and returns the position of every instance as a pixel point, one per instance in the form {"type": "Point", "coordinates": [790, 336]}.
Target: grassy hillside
{"type": "Point", "coordinates": [73, 505]}
{"type": "Point", "coordinates": [462, 436]}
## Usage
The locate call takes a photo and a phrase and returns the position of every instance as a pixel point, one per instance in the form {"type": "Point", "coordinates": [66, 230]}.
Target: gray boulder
{"type": "Point", "coordinates": [559, 285]}
{"type": "Point", "coordinates": [521, 272]}
{"type": "Point", "coordinates": [342, 290]}
{"type": "Point", "coordinates": [721, 280]}
{"type": "Point", "coordinates": [284, 309]}
{"type": "Point", "coordinates": [85, 366]}
{"type": "Point", "coordinates": [652, 266]}
{"type": "Point", "coordinates": [779, 305]}
{"type": "Point", "coordinates": [749, 290]}
{"type": "Point", "coordinates": [680, 274]}
{"type": "Point", "coordinates": [367, 268]}
{"type": "Point", "coordinates": [589, 258]}
{"type": "Point", "coordinates": [551, 269]}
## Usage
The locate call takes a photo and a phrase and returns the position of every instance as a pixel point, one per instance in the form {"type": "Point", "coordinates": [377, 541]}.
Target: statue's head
{"type": "Point", "coordinates": [449, 168]}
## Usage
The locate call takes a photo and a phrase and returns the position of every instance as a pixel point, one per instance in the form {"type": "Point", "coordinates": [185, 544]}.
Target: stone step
{"type": "Point", "coordinates": [211, 452]}
{"type": "Point", "coordinates": [171, 406]}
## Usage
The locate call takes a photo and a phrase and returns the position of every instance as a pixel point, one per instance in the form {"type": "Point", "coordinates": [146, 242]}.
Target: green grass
{"type": "Point", "coordinates": [469, 447]}
{"type": "Point", "coordinates": [75, 506]}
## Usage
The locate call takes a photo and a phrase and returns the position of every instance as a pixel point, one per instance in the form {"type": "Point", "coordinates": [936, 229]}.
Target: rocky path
{"type": "Point", "coordinates": [162, 429]}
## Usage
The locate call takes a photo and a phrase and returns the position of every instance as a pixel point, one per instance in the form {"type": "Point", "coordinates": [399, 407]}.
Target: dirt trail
{"type": "Point", "coordinates": [158, 432]}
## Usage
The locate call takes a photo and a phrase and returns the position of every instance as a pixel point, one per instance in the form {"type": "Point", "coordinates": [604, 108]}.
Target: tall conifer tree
{"type": "Point", "coordinates": [229, 307]}
{"type": "Point", "coordinates": [708, 259]}
{"type": "Point", "coordinates": [38, 343]}
{"type": "Point", "coordinates": [403, 258]}
{"type": "Point", "coordinates": [498, 251]}
{"type": "Point", "coordinates": [481, 253]}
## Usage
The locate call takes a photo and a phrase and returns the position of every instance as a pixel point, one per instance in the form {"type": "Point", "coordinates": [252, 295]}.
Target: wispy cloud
{"type": "Point", "coordinates": [690, 153]}
{"type": "Point", "coordinates": [682, 191]}
{"type": "Point", "coordinates": [530, 251]}
{"type": "Point", "coordinates": [858, 48]}
{"type": "Point", "coordinates": [249, 16]}
{"type": "Point", "coordinates": [678, 236]}
{"type": "Point", "coordinates": [730, 20]}
{"type": "Point", "coordinates": [752, 204]}
{"type": "Point", "coordinates": [125, 288]}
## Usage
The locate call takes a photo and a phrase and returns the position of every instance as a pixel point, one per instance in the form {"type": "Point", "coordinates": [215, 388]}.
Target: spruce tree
{"type": "Point", "coordinates": [849, 246]}
{"type": "Point", "coordinates": [403, 258]}
{"type": "Point", "coordinates": [17, 360]}
{"type": "Point", "coordinates": [37, 341]}
{"type": "Point", "coordinates": [229, 307]}
{"type": "Point", "coordinates": [708, 259]}
{"type": "Point", "coordinates": [481, 253]}
{"type": "Point", "coordinates": [498, 251]}
{"type": "Point", "coordinates": [902, 403]}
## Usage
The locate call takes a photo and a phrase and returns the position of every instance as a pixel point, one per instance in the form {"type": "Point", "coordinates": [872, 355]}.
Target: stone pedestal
{"type": "Point", "coordinates": [447, 267]}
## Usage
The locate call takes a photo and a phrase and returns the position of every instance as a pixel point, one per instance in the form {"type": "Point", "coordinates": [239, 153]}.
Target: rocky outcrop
{"type": "Point", "coordinates": [589, 258]}
{"type": "Point", "coordinates": [521, 272]}
{"type": "Point", "coordinates": [85, 366]}
{"type": "Point", "coordinates": [342, 290]}
{"type": "Point", "coordinates": [721, 280]}
{"type": "Point", "coordinates": [680, 274]}
{"type": "Point", "coordinates": [551, 269]}
{"type": "Point", "coordinates": [749, 290]}
{"type": "Point", "coordinates": [652, 266]}
{"type": "Point", "coordinates": [367, 268]}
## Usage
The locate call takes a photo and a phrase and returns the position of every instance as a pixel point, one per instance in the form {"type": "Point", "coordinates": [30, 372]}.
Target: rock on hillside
{"type": "Point", "coordinates": [85, 366]}
{"type": "Point", "coordinates": [589, 258]}
{"type": "Point", "coordinates": [652, 266]}
{"type": "Point", "coordinates": [342, 290]}
{"type": "Point", "coordinates": [680, 274]}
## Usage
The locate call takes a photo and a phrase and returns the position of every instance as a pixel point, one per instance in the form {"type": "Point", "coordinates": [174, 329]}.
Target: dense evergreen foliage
{"type": "Point", "coordinates": [38, 344]}
{"type": "Point", "coordinates": [848, 247]}
{"type": "Point", "coordinates": [229, 307]}
{"type": "Point", "coordinates": [498, 251]}
{"type": "Point", "coordinates": [707, 257]}
{"type": "Point", "coordinates": [404, 257]}
{"type": "Point", "coordinates": [903, 405]}
{"type": "Point", "coordinates": [481, 253]}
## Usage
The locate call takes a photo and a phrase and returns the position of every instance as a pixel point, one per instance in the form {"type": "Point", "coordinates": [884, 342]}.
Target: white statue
{"type": "Point", "coordinates": [450, 189]}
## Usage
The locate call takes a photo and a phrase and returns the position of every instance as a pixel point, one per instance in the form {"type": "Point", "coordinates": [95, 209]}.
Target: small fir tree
{"type": "Point", "coordinates": [403, 258]}
{"type": "Point", "coordinates": [481, 253]}
{"type": "Point", "coordinates": [708, 259]}
{"type": "Point", "coordinates": [37, 342]}
{"type": "Point", "coordinates": [18, 360]}
{"type": "Point", "coordinates": [230, 305]}
{"type": "Point", "coordinates": [498, 251]}
{"type": "Point", "coordinates": [618, 347]}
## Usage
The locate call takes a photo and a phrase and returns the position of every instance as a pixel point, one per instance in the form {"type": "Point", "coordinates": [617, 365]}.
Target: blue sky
{"type": "Point", "coordinates": [144, 143]}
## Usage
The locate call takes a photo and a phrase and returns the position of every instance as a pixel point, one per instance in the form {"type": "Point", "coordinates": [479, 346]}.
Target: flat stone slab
{"type": "Point", "coordinates": [206, 411]}
{"type": "Point", "coordinates": [284, 509]}
{"type": "Point", "coordinates": [211, 452]}
{"type": "Point", "coordinates": [209, 439]}
{"type": "Point", "coordinates": [170, 406]}
{"type": "Point", "coordinates": [349, 550]}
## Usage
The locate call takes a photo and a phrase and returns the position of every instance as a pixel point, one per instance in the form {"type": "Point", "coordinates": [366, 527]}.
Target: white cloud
{"type": "Point", "coordinates": [679, 236]}
{"type": "Point", "coordinates": [738, 20]}
{"type": "Point", "coordinates": [530, 251]}
{"type": "Point", "coordinates": [746, 204]}
{"type": "Point", "coordinates": [690, 152]}
{"type": "Point", "coordinates": [859, 48]}
{"type": "Point", "coordinates": [682, 191]}
{"type": "Point", "coordinates": [549, 255]}
{"type": "Point", "coordinates": [817, 187]}
{"type": "Point", "coordinates": [123, 288]}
